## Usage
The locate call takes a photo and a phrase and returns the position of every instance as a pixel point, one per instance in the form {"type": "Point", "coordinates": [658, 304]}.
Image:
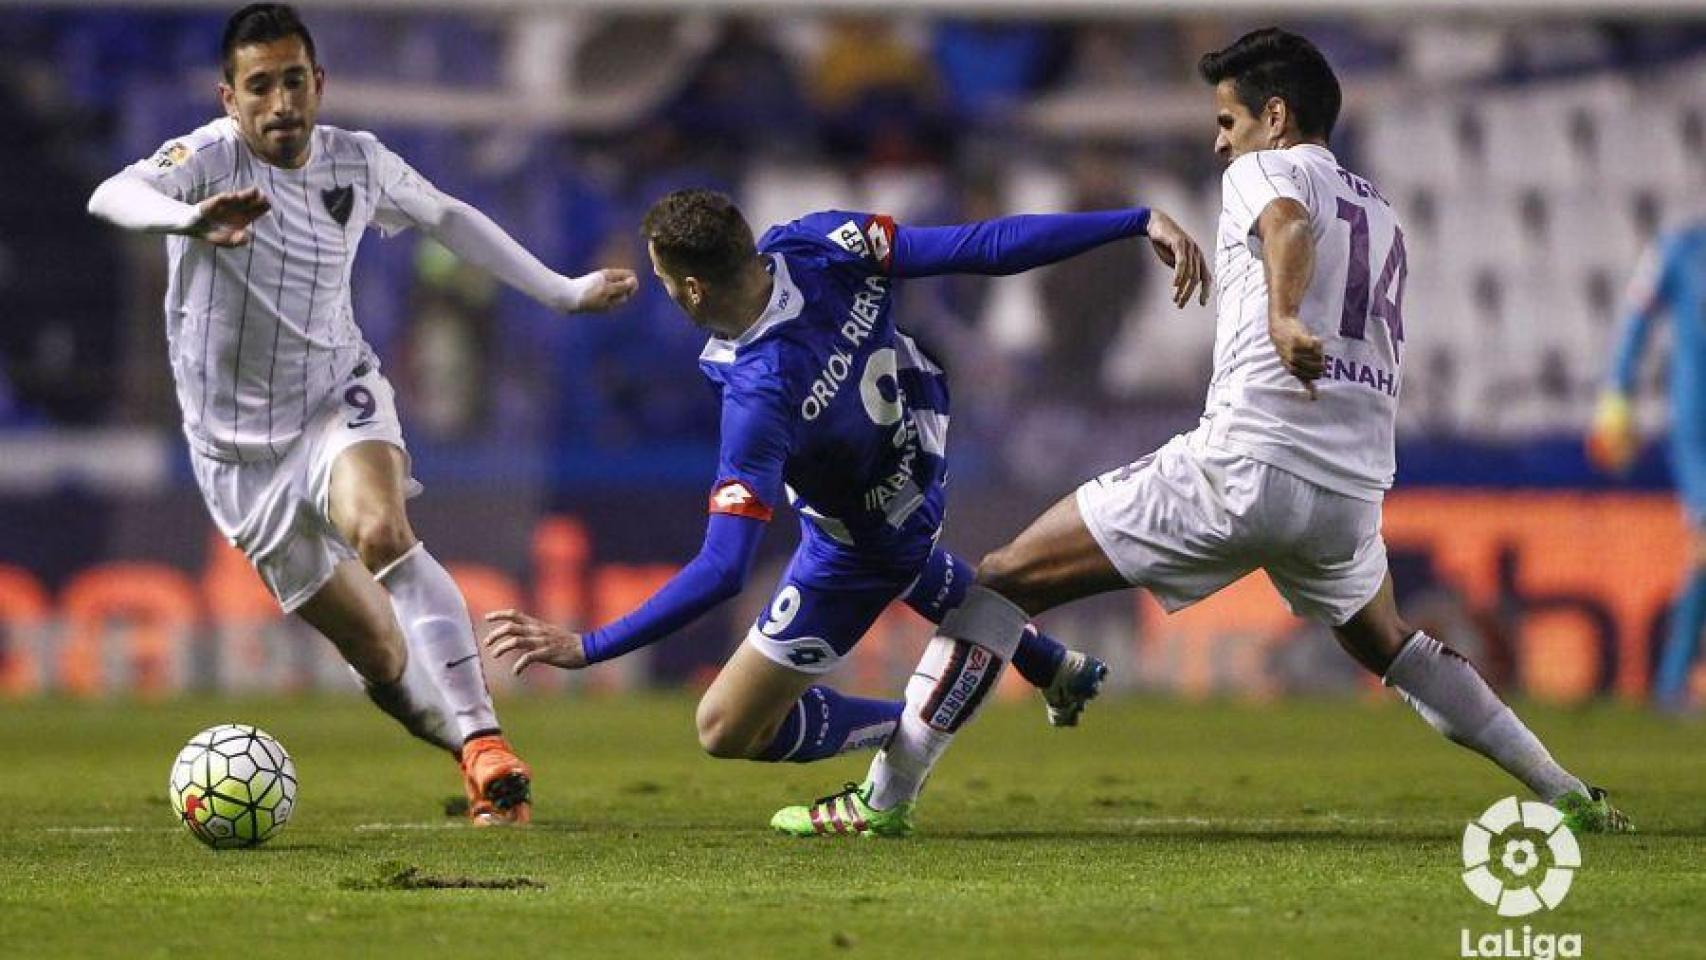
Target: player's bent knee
{"type": "Point", "coordinates": [722, 734]}
{"type": "Point", "coordinates": [381, 541]}
{"type": "Point", "coordinates": [724, 741]}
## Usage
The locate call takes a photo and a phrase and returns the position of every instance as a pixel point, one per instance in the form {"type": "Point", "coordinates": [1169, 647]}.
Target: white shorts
{"type": "Point", "coordinates": [278, 512]}
{"type": "Point", "coordinates": [1188, 520]}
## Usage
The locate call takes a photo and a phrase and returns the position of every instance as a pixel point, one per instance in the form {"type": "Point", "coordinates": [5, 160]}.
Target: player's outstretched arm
{"type": "Point", "coordinates": [1008, 245]}
{"type": "Point", "coordinates": [130, 201]}
{"type": "Point", "coordinates": [717, 574]}
{"type": "Point", "coordinates": [472, 235]}
{"type": "Point", "coordinates": [1288, 260]}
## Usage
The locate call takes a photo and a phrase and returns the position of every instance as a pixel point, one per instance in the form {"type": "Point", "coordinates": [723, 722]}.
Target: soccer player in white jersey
{"type": "Point", "coordinates": [1288, 466]}
{"type": "Point", "coordinates": [294, 435]}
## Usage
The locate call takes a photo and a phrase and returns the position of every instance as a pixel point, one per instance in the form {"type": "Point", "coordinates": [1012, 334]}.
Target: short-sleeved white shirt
{"type": "Point", "coordinates": [260, 335]}
{"type": "Point", "coordinates": [1342, 441]}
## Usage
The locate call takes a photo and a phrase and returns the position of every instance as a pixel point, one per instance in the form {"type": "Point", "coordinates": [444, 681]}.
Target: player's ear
{"type": "Point", "coordinates": [1276, 116]}
{"type": "Point", "coordinates": [319, 80]}
{"type": "Point", "coordinates": [694, 289]}
{"type": "Point", "coordinates": [228, 99]}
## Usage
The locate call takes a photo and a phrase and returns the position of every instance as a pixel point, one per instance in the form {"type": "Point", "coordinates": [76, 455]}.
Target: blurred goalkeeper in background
{"type": "Point", "coordinates": [1671, 282]}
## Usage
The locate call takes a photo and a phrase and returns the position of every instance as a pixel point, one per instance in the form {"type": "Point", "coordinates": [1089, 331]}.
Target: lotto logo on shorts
{"type": "Point", "coordinates": [736, 498]}
{"type": "Point", "coordinates": [806, 654]}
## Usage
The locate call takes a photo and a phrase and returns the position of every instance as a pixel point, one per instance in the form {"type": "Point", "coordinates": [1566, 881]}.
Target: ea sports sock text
{"type": "Point", "coordinates": [434, 618]}
{"type": "Point", "coordinates": [824, 723]}
{"type": "Point", "coordinates": [960, 667]}
{"type": "Point", "coordinates": [942, 585]}
{"type": "Point", "coordinates": [1445, 688]}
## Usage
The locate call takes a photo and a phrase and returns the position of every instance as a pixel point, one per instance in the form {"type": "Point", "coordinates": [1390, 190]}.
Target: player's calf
{"type": "Point", "coordinates": [960, 667]}
{"type": "Point", "coordinates": [722, 735]}
{"type": "Point", "coordinates": [352, 612]}
{"type": "Point", "coordinates": [822, 723]}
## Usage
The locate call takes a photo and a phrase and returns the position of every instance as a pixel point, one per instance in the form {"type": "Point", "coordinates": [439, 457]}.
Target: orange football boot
{"type": "Point", "coordinates": [499, 784]}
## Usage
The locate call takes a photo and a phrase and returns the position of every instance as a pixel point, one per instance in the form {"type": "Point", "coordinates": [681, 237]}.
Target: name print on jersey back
{"type": "Point", "coordinates": [1344, 439]}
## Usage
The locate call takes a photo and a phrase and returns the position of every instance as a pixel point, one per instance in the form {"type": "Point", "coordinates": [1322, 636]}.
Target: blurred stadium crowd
{"type": "Point", "coordinates": [1530, 165]}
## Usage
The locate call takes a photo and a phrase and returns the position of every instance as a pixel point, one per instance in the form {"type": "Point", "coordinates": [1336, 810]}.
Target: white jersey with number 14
{"type": "Point", "coordinates": [1343, 440]}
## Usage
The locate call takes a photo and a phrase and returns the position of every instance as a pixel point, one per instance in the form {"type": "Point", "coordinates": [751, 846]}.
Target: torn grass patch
{"type": "Point", "coordinates": [405, 876]}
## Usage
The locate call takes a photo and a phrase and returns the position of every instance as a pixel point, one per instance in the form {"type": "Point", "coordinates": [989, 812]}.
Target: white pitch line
{"type": "Point", "coordinates": [108, 830]}
{"type": "Point", "coordinates": [1327, 820]}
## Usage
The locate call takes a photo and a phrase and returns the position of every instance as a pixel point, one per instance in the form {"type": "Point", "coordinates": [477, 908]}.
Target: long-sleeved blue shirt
{"type": "Point", "coordinates": [1672, 282]}
{"type": "Point", "coordinates": [827, 403]}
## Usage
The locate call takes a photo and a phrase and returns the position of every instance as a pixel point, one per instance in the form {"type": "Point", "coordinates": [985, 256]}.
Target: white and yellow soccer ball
{"type": "Point", "coordinates": [233, 786]}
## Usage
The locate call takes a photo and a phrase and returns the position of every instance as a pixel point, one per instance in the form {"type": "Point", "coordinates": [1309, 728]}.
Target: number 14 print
{"type": "Point", "coordinates": [1388, 294]}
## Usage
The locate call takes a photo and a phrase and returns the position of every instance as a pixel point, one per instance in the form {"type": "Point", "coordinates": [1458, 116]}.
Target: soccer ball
{"type": "Point", "coordinates": [232, 786]}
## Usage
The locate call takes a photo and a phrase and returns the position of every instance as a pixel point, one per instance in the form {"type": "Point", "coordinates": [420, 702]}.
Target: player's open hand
{"type": "Point", "coordinates": [1299, 350]}
{"type": "Point", "coordinates": [225, 217]}
{"type": "Point", "coordinates": [603, 289]}
{"type": "Point", "coordinates": [535, 640]}
{"type": "Point", "coordinates": [1177, 250]}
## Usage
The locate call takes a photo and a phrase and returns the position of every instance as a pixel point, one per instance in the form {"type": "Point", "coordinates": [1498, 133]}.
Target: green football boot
{"type": "Point", "coordinates": [1593, 813]}
{"type": "Point", "coordinates": [846, 812]}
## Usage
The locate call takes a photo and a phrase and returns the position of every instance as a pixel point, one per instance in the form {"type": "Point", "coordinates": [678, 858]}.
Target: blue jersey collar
{"type": "Point", "coordinates": [786, 302]}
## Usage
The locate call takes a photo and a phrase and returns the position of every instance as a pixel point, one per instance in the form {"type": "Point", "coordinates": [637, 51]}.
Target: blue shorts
{"type": "Point", "coordinates": [830, 595]}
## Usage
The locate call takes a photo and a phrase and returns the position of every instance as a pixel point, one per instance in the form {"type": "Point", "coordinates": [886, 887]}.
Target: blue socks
{"type": "Point", "coordinates": [824, 723]}
{"type": "Point", "coordinates": [1686, 623]}
{"type": "Point", "coordinates": [942, 586]}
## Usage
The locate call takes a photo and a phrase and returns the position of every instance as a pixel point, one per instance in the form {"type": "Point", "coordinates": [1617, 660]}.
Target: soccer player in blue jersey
{"type": "Point", "coordinates": [1671, 282]}
{"type": "Point", "coordinates": [827, 404]}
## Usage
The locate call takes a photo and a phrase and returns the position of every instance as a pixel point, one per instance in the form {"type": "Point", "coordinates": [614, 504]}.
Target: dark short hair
{"type": "Point", "coordinates": [262, 23]}
{"type": "Point", "coordinates": [1276, 63]}
{"type": "Point", "coordinates": [699, 233]}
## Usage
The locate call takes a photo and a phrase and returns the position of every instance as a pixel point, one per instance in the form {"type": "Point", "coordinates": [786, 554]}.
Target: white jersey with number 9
{"type": "Point", "coordinates": [1343, 440]}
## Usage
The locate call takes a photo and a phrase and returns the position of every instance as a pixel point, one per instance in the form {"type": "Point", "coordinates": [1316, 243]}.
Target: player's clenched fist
{"type": "Point", "coordinates": [1299, 350]}
{"type": "Point", "coordinates": [535, 640]}
{"type": "Point", "coordinates": [601, 290]}
{"type": "Point", "coordinates": [223, 219]}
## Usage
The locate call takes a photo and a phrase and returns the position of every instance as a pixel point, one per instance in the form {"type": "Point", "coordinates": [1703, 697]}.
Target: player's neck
{"type": "Point", "coordinates": [294, 163]}
{"type": "Point", "coordinates": [1288, 141]}
{"type": "Point", "coordinates": [749, 304]}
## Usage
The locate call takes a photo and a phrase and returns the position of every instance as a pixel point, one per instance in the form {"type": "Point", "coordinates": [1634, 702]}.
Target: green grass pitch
{"type": "Point", "coordinates": [1320, 829]}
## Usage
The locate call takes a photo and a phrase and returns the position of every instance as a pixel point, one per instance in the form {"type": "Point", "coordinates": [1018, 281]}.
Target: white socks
{"type": "Point", "coordinates": [1451, 696]}
{"type": "Point", "coordinates": [960, 667]}
{"type": "Point", "coordinates": [434, 618]}
{"type": "Point", "coordinates": [413, 700]}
